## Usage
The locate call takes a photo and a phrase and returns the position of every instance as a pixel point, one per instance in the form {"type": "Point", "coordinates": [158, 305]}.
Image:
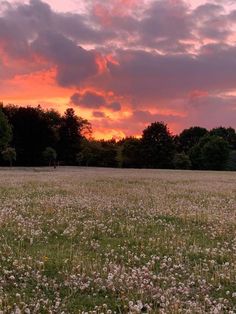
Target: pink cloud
{"type": "Point", "coordinates": [140, 60]}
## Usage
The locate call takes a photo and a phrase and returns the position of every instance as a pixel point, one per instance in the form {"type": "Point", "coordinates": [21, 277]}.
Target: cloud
{"type": "Point", "coordinates": [115, 106]}
{"type": "Point", "coordinates": [146, 60]}
{"type": "Point", "coordinates": [88, 100]}
{"type": "Point", "coordinates": [74, 64]}
{"type": "Point", "coordinates": [34, 33]}
{"type": "Point", "coordinates": [212, 22]}
{"type": "Point", "coordinates": [92, 100]}
{"type": "Point", "coordinates": [212, 111]}
{"type": "Point", "coordinates": [149, 76]}
{"type": "Point", "coordinates": [99, 114]}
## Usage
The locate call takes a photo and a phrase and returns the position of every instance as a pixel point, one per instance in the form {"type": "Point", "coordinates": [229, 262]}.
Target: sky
{"type": "Point", "coordinates": [122, 64]}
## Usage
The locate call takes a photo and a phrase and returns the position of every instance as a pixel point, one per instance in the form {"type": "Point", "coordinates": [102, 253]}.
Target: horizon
{"type": "Point", "coordinates": [117, 139]}
{"type": "Point", "coordinates": [124, 64]}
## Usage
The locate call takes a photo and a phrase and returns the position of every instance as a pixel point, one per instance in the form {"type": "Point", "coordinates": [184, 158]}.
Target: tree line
{"type": "Point", "coordinates": [35, 137]}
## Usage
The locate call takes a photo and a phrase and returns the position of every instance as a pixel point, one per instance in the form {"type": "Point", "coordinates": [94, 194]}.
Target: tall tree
{"type": "Point", "coordinates": [31, 133]}
{"type": "Point", "coordinates": [211, 153]}
{"type": "Point", "coordinates": [70, 134]}
{"type": "Point", "coordinates": [215, 153]}
{"type": "Point", "coordinates": [9, 154]}
{"type": "Point", "coordinates": [130, 153]}
{"type": "Point", "coordinates": [228, 134]}
{"type": "Point", "coordinates": [5, 131]}
{"type": "Point", "coordinates": [190, 137]}
{"type": "Point", "coordinates": [231, 163]}
{"type": "Point", "coordinates": [50, 155]}
{"type": "Point", "coordinates": [97, 153]}
{"type": "Point", "coordinates": [157, 145]}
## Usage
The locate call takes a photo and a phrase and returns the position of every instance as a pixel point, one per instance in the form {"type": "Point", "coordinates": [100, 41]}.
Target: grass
{"type": "Point", "coordinates": [117, 241]}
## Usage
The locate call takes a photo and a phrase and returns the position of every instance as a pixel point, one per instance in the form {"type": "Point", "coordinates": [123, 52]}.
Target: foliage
{"type": "Point", "coordinates": [157, 146]}
{"type": "Point", "coordinates": [30, 130]}
{"type": "Point", "coordinates": [212, 153]}
{"type": "Point", "coordinates": [31, 133]}
{"type": "Point", "coordinates": [50, 155]}
{"type": "Point", "coordinates": [130, 153]}
{"type": "Point", "coordinates": [5, 130]}
{"type": "Point", "coordinates": [228, 134]}
{"type": "Point", "coordinates": [35, 128]}
{"type": "Point", "coordinates": [231, 163]}
{"type": "Point", "coordinates": [70, 134]}
{"type": "Point", "coordinates": [97, 153]}
{"type": "Point", "coordinates": [9, 154]}
{"type": "Point", "coordinates": [182, 161]}
{"type": "Point", "coordinates": [190, 137]}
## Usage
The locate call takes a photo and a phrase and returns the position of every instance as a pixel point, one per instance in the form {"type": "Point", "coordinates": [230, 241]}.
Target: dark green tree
{"type": "Point", "coordinates": [215, 153]}
{"type": "Point", "coordinates": [97, 153]}
{"type": "Point", "coordinates": [31, 133]}
{"type": "Point", "coordinates": [157, 146]}
{"type": "Point", "coordinates": [211, 153]}
{"type": "Point", "coordinates": [190, 137]}
{"type": "Point", "coordinates": [228, 134]}
{"type": "Point", "coordinates": [231, 163]}
{"type": "Point", "coordinates": [89, 154]}
{"type": "Point", "coordinates": [71, 135]}
{"type": "Point", "coordinates": [130, 153]}
{"type": "Point", "coordinates": [5, 131]}
{"type": "Point", "coordinates": [50, 155]}
{"type": "Point", "coordinates": [9, 154]}
{"type": "Point", "coordinates": [182, 161]}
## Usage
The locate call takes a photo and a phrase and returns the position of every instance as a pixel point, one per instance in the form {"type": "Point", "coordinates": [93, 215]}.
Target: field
{"type": "Point", "coordinates": [117, 241]}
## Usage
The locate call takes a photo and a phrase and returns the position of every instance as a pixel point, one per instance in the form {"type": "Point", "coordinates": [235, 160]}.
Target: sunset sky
{"type": "Point", "coordinates": [122, 64]}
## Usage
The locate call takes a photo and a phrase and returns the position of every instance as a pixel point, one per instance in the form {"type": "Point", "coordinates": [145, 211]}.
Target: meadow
{"type": "Point", "coordinates": [79, 240]}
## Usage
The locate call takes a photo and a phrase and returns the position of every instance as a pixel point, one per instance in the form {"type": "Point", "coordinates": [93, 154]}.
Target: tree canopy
{"type": "Point", "coordinates": [157, 146]}
{"type": "Point", "coordinates": [32, 136]}
{"type": "Point", "coordinates": [5, 131]}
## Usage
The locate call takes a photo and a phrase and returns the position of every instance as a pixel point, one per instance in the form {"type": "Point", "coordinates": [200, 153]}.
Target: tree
{"type": "Point", "coordinates": [190, 137]}
{"type": "Point", "coordinates": [231, 163]}
{"type": "Point", "coordinates": [50, 155]}
{"type": "Point", "coordinates": [130, 153]}
{"type": "Point", "coordinates": [211, 153]}
{"type": "Point", "coordinates": [182, 161]}
{"type": "Point", "coordinates": [9, 154]}
{"type": "Point", "coordinates": [5, 131]}
{"type": "Point", "coordinates": [157, 146]}
{"type": "Point", "coordinates": [71, 135]}
{"type": "Point", "coordinates": [89, 154]}
{"type": "Point", "coordinates": [228, 134]}
{"type": "Point", "coordinates": [31, 133]}
{"type": "Point", "coordinates": [97, 153]}
{"type": "Point", "coordinates": [215, 153]}
{"type": "Point", "coordinates": [195, 155]}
